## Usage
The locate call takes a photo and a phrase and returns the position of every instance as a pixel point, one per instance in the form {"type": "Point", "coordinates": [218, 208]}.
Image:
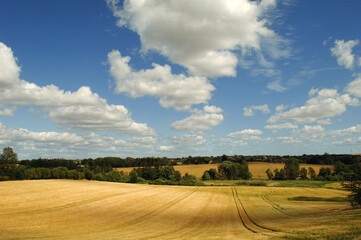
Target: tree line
{"type": "Point", "coordinates": [228, 170]}
{"type": "Point", "coordinates": [117, 162]}
{"type": "Point", "coordinates": [99, 169]}
{"type": "Point", "coordinates": [292, 171]}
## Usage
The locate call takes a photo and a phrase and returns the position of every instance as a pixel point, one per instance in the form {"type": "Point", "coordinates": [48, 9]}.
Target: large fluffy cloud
{"type": "Point", "coordinates": [205, 119]}
{"type": "Point", "coordinates": [343, 52]}
{"type": "Point", "coordinates": [201, 35]}
{"type": "Point", "coordinates": [9, 70]}
{"type": "Point", "coordinates": [326, 103]}
{"type": "Point", "coordinates": [174, 90]}
{"type": "Point", "coordinates": [99, 118]}
{"type": "Point", "coordinates": [81, 108]}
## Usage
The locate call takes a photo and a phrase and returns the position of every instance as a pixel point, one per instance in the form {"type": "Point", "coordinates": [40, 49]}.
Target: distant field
{"type": "Point", "coordinates": [258, 169]}
{"type": "Point", "coordinates": [69, 209]}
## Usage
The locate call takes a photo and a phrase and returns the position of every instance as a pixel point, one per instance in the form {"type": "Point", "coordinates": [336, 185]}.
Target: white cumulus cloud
{"type": "Point", "coordinates": [201, 35]}
{"type": "Point", "coordinates": [343, 52]}
{"type": "Point", "coordinates": [326, 103]}
{"type": "Point", "coordinates": [246, 133]}
{"type": "Point", "coordinates": [174, 90]}
{"type": "Point", "coordinates": [166, 148]}
{"type": "Point", "coordinates": [82, 108]}
{"type": "Point", "coordinates": [99, 118]}
{"type": "Point", "coordinates": [354, 87]}
{"type": "Point", "coordinates": [204, 119]}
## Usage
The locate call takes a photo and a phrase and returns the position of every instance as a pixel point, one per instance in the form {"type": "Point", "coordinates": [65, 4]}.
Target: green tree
{"type": "Point", "coordinates": [353, 184]}
{"type": "Point", "coordinates": [292, 168]}
{"type": "Point", "coordinates": [9, 156]}
{"type": "Point", "coordinates": [269, 174]}
{"type": "Point", "coordinates": [279, 174]}
{"type": "Point", "coordinates": [303, 173]}
{"type": "Point", "coordinates": [230, 170]}
{"type": "Point", "coordinates": [325, 174]}
{"type": "Point", "coordinates": [8, 161]}
{"type": "Point", "coordinates": [133, 176]}
{"type": "Point", "coordinates": [312, 173]}
{"type": "Point", "coordinates": [206, 176]}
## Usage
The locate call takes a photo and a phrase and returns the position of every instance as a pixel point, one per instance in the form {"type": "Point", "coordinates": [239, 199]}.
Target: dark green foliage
{"type": "Point", "coordinates": [206, 176]}
{"type": "Point", "coordinates": [231, 171]}
{"type": "Point", "coordinates": [8, 161]}
{"type": "Point", "coordinates": [303, 174]}
{"type": "Point", "coordinates": [325, 174]}
{"type": "Point", "coordinates": [111, 177]}
{"type": "Point", "coordinates": [353, 184]}
{"type": "Point", "coordinates": [133, 176]}
{"type": "Point", "coordinates": [196, 160]}
{"type": "Point", "coordinates": [319, 199]}
{"type": "Point", "coordinates": [88, 174]}
{"type": "Point", "coordinates": [150, 173]}
{"type": "Point", "coordinates": [59, 172]}
{"type": "Point", "coordinates": [49, 163]}
{"type": "Point", "coordinates": [312, 173]}
{"type": "Point", "coordinates": [279, 174]}
{"type": "Point", "coordinates": [212, 173]}
{"type": "Point", "coordinates": [269, 174]}
{"type": "Point", "coordinates": [189, 180]}
{"type": "Point", "coordinates": [292, 168]}
{"type": "Point", "coordinates": [251, 183]}
{"type": "Point", "coordinates": [9, 156]}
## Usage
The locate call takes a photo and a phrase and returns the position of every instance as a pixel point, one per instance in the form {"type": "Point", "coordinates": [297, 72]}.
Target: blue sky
{"type": "Point", "coordinates": [84, 78]}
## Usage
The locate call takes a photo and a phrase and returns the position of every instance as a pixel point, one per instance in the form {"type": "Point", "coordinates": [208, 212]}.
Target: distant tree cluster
{"type": "Point", "coordinates": [292, 171]}
{"type": "Point", "coordinates": [228, 171]}
{"type": "Point", "coordinates": [100, 169]}
{"type": "Point", "coordinates": [165, 176]}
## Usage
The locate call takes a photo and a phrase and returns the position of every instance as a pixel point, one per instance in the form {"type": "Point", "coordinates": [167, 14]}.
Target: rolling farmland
{"type": "Point", "coordinates": [67, 209]}
{"type": "Point", "coordinates": [258, 169]}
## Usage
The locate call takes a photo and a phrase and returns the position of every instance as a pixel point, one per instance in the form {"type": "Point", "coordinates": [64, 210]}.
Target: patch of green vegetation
{"type": "Point", "coordinates": [319, 199]}
{"type": "Point", "coordinates": [299, 183]}
{"type": "Point", "coordinates": [275, 183]}
{"type": "Point", "coordinates": [251, 183]}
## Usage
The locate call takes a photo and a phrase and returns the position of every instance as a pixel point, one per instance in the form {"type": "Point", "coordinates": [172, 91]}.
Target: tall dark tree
{"type": "Point", "coordinates": [312, 173]}
{"type": "Point", "coordinates": [8, 163]}
{"type": "Point", "coordinates": [303, 173]}
{"type": "Point", "coordinates": [292, 168]}
{"type": "Point", "coordinates": [353, 184]}
{"type": "Point", "coordinates": [269, 174]}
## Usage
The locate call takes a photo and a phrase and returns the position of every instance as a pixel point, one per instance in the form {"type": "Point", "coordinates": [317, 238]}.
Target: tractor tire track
{"type": "Point", "coordinates": [247, 221]}
{"type": "Point", "coordinates": [192, 224]}
{"type": "Point", "coordinates": [275, 206]}
{"type": "Point", "coordinates": [160, 209]}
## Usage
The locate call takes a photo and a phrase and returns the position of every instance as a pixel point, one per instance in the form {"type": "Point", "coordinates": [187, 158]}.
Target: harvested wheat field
{"type": "Point", "coordinates": [258, 169]}
{"type": "Point", "coordinates": [69, 209]}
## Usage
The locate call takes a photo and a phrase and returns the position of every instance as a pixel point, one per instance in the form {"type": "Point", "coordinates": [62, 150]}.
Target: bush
{"type": "Point", "coordinates": [206, 176]}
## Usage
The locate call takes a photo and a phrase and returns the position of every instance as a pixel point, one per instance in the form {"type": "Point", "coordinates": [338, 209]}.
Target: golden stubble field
{"type": "Point", "coordinates": [258, 169]}
{"type": "Point", "coordinates": [69, 209]}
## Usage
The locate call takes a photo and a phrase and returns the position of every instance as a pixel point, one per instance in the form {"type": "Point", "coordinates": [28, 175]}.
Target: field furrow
{"type": "Point", "coordinates": [248, 222]}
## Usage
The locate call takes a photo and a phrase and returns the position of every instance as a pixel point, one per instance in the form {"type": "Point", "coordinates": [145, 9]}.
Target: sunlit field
{"type": "Point", "coordinates": [258, 169]}
{"type": "Point", "coordinates": [68, 209]}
